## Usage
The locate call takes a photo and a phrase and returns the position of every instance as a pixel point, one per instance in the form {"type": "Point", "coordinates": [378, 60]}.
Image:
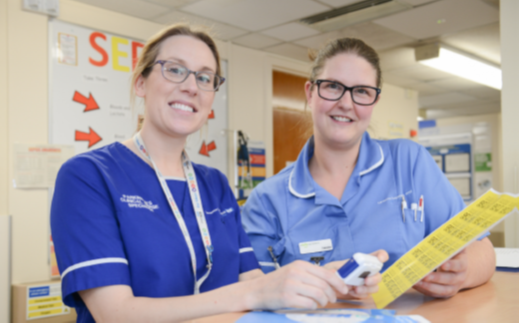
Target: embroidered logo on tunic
{"type": "Point", "coordinates": [138, 202]}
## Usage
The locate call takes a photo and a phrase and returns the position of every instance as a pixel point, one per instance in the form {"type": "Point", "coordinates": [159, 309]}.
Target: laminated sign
{"type": "Point", "coordinates": [443, 243]}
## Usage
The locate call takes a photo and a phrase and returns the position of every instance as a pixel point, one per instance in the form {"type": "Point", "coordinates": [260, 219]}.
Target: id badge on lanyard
{"type": "Point", "coordinates": [197, 206]}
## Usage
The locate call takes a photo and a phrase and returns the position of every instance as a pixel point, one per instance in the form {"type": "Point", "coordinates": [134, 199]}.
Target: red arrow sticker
{"type": "Point", "coordinates": [92, 137]}
{"type": "Point", "coordinates": [90, 103]}
{"type": "Point", "coordinates": [211, 115]}
{"type": "Point", "coordinates": [205, 149]}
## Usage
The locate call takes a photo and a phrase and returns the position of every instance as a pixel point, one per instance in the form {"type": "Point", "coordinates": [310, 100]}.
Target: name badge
{"type": "Point", "coordinates": [315, 246]}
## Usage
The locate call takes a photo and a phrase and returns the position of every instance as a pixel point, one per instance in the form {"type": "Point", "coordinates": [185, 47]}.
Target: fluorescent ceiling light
{"type": "Point", "coordinates": [460, 65]}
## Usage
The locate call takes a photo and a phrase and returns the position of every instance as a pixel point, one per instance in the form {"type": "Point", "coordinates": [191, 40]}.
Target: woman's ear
{"type": "Point", "coordinates": [140, 86]}
{"type": "Point", "coordinates": [308, 91]}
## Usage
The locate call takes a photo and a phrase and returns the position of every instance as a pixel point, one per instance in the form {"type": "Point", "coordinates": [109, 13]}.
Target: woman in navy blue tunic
{"type": "Point", "coordinates": [142, 234]}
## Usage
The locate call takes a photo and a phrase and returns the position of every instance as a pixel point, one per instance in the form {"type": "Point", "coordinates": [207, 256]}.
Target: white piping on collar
{"type": "Point", "coordinates": [364, 172]}
{"type": "Point", "coordinates": [293, 191]}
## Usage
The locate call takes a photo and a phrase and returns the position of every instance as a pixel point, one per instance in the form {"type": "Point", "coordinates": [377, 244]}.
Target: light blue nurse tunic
{"type": "Point", "coordinates": [375, 210]}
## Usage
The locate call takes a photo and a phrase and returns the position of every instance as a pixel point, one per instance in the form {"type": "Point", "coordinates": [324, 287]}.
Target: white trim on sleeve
{"type": "Point", "coordinates": [248, 249]}
{"type": "Point", "coordinates": [94, 262]}
{"type": "Point", "coordinates": [267, 264]}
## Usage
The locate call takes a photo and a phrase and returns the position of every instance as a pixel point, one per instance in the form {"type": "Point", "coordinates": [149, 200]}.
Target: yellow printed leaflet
{"type": "Point", "coordinates": [443, 243]}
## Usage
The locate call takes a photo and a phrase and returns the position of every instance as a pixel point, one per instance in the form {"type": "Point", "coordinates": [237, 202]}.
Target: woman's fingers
{"type": "Point", "coordinates": [381, 255]}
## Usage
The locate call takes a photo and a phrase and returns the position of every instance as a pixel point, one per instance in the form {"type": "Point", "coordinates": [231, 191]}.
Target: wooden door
{"type": "Point", "coordinates": [292, 125]}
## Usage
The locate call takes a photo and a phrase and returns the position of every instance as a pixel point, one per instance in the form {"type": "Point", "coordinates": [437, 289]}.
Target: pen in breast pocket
{"type": "Point", "coordinates": [421, 208]}
{"type": "Point", "coordinates": [404, 206]}
{"type": "Point", "coordinates": [276, 264]}
{"type": "Point", "coordinates": [414, 207]}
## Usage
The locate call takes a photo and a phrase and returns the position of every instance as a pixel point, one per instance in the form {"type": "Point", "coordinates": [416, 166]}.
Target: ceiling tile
{"type": "Point", "coordinates": [420, 72]}
{"type": "Point", "coordinates": [444, 99]}
{"type": "Point", "coordinates": [218, 30]}
{"type": "Point", "coordinates": [397, 58]}
{"type": "Point", "coordinates": [253, 14]}
{"type": "Point", "coordinates": [171, 3]}
{"type": "Point", "coordinates": [415, 3]}
{"type": "Point", "coordinates": [464, 110]}
{"type": "Point", "coordinates": [455, 84]}
{"type": "Point", "coordinates": [339, 3]}
{"type": "Point", "coordinates": [134, 8]}
{"type": "Point", "coordinates": [290, 50]}
{"type": "Point", "coordinates": [374, 35]}
{"type": "Point", "coordinates": [290, 31]}
{"type": "Point", "coordinates": [257, 41]}
{"type": "Point", "coordinates": [481, 41]}
{"type": "Point", "coordinates": [396, 80]}
{"type": "Point", "coordinates": [425, 89]}
{"type": "Point", "coordinates": [484, 92]}
{"type": "Point", "coordinates": [442, 17]}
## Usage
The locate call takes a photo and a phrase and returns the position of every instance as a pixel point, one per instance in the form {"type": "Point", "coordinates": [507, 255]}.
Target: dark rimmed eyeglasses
{"type": "Point", "coordinates": [360, 94]}
{"type": "Point", "coordinates": [178, 73]}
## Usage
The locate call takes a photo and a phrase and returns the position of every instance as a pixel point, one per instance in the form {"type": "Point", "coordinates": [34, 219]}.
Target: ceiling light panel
{"type": "Point", "coordinates": [442, 17]}
{"type": "Point", "coordinates": [134, 8]}
{"type": "Point", "coordinates": [218, 30]}
{"type": "Point", "coordinates": [253, 14]}
{"type": "Point", "coordinates": [467, 67]}
{"type": "Point", "coordinates": [257, 41]}
{"type": "Point", "coordinates": [290, 31]}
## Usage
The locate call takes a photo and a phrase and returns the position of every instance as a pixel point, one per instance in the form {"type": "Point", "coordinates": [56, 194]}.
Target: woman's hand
{"type": "Point", "coordinates": [370, 283]}
{"type": "Point", "coordinates": [299, 284]}
{"type": "Point", "coordinates": [447, 280]}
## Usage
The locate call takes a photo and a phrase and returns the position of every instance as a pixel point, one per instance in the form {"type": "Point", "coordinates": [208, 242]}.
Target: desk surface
{"type": "Point", "coordinates": [495, 301]}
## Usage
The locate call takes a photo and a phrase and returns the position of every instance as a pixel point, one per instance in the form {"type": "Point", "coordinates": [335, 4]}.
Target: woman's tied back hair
{"type": "Point", "coordinates": [151, 50]}
{"type": "Point", "coordinates": [344, 46]}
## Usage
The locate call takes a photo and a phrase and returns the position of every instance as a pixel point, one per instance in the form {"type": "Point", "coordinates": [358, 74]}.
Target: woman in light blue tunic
{"type": "Point", "coordinates": [349, 193]}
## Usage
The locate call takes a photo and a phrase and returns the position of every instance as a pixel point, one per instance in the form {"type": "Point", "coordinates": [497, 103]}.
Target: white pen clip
{"type": "Point", "coordinates": [414, 207]}
{"type": "Point", "coordinates": [404, 206]}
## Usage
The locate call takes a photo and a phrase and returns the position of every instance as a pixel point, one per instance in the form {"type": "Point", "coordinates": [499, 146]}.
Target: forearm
{"type": "Point", "coordinates": [481, 263]}
{"type": "Point", "coordinates": [108, 307]}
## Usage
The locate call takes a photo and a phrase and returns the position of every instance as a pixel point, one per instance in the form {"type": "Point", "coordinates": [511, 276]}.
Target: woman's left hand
{"type": "Point", "coordinates": [370, 283]}
{"type": "Point", "coordinates": [447, 280]}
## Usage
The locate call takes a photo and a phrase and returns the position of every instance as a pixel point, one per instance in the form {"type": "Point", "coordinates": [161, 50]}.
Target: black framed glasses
{"type": "Point", "coordinates": [360, 94]}
{"type": "Point", "coordinates": [178, 73]}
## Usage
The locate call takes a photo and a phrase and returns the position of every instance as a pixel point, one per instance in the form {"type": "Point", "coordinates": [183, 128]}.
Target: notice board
{"type": "Point", "coordinates": [89, 95]}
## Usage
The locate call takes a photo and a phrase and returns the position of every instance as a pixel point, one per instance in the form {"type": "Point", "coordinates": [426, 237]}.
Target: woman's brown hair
{"type": "Point", "coordinates": [151, 49]}
{"type": "Point", "coordinates": [345, 46]}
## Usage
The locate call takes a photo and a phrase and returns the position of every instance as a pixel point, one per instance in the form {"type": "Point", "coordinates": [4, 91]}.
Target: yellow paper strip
{"type": "Point", "coordinates": [442, 244]}
{"type": "Point", "coordinates": [46, 313]}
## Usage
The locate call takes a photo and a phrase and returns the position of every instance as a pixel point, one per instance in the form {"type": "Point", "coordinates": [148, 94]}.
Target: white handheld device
{"type": "Point", "coordinates": [360, 266]}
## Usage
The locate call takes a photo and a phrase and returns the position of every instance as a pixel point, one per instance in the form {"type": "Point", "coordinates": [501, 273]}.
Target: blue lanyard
{"type": "Point", "coordinates": [197, 206]}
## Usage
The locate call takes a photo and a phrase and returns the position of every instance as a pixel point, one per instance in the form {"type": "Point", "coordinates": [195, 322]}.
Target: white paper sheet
{"type": "Point", "coordinates": [507, 257]}
{"type": "Point", "coordinates": [36, 166]}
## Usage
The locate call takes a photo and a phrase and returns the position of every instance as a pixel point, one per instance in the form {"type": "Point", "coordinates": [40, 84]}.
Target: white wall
{"type": "Point", "coordinates": [3, 107]}
{"type": "Point", "coordinates": [494, 120]}
{"type": "Point", "coordinates": [396, 105]}
{"type": "Point", "coordinates": [509, 11]}
{"type": "Point", "coordinates": [24, 110]}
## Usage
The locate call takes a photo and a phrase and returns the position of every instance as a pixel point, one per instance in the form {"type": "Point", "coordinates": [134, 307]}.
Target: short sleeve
{"type": "Point", "coordinates": [261, 229]}
{"type": "Point", "coordinates": [248, 259]}
{"type": "Point", "coordinates": [85, 230]}
{"type": "Point", "coordinates": [441, 200]}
